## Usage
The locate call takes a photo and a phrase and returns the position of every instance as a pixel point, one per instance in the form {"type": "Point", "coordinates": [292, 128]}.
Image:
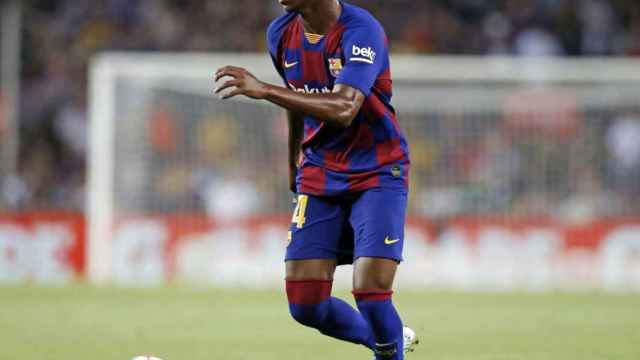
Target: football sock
{"type": "Point", "coordinates": [311, 304]}
{"type": "Point", "coordinates": [377, 308]}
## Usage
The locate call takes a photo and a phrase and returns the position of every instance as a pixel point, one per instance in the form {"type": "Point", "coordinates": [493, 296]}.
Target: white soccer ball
{"type": "Point", "coordinates": [145, 357]}
{"type": "Point", "coordinates": [408, 334]}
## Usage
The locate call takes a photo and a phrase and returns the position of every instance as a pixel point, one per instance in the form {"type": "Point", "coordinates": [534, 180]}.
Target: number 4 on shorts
{"type": "Point", "coordinates": [299, 213]}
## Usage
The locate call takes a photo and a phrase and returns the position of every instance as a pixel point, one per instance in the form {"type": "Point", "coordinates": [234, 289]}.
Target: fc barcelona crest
{"type": "Point", "coordinates": [335, 66]}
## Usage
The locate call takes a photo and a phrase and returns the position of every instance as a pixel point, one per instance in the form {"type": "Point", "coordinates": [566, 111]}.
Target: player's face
{"type": "Point", "coordinates": [293, 5]}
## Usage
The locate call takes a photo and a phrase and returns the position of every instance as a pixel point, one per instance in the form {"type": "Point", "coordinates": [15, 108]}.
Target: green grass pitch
{"type": "Point", "coordinates": [79, 322]}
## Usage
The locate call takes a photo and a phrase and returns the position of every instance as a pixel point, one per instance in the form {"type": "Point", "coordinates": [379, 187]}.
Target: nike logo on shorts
{"type": "Point", "coordinates": [390, 241]}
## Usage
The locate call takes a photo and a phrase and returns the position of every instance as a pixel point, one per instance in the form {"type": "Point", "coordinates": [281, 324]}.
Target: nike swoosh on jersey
{"type": "Point", "coordinates": [290, 65]}
{"type": "Point", "coordinates": [390, 241]}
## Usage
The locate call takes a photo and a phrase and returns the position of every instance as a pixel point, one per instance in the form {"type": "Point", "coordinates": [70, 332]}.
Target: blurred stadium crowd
{"type": "Point", "coordinates": [61, 36]}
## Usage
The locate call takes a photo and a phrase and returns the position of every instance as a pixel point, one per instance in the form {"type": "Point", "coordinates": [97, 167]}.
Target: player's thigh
{"type": "Point", "coordinates": [317, 228]}
{"type": "Point", "coordinates": [378, 218]}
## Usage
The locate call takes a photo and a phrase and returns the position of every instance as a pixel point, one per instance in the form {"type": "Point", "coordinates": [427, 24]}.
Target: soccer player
{"type": "Point", "coordinates": [349, 166]}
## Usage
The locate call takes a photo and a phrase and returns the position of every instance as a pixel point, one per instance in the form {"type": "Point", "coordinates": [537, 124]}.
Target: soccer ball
{"type": "Point", "coordinates": [408, 334]}
{"type": "Point", "coordinates": [145, 357]}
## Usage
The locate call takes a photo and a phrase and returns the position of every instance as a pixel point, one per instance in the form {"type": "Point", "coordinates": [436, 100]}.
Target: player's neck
{"type": "Point", "coordinates": [320, 16]}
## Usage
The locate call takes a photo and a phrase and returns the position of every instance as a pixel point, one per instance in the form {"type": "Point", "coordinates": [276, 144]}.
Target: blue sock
{"type": "Point", "coordinates": [376, 307]}
{"type": "Point", "coordinates": [311, 305]}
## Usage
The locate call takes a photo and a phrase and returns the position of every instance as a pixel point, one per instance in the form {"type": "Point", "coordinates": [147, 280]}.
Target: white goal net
{"type": "Point", "coordinates": [525, 173]}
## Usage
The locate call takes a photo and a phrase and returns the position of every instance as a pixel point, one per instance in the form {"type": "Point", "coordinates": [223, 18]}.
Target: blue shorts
{"type": "Point", "coordinates": [346, 227]}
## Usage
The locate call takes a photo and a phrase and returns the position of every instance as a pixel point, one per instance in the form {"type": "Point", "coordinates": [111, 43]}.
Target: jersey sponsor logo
{"type": "Point", "coordinates": [335, 66]}
{"type": "Point", "coordinates": [363, 54]}
{"type": "Point", "coordinates": [288, 65]}
{"type": "Point", "coordinates": [310, 90]}
{"type": "Point", "coordinates": [390, 241]}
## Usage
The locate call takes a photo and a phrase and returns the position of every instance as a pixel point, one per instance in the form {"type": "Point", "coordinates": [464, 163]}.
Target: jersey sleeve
{"type": "Point", "coordinates": [364, 48]}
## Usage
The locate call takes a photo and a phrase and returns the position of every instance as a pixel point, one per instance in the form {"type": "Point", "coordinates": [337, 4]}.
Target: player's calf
{"type": "Point", "coordinates": [376, 307]}
{"type": "Point", "coordinates": [311, 305]}
{"type": "Point", "coordinates": [308, 301]}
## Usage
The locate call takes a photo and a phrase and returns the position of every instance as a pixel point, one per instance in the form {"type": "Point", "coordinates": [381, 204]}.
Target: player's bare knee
{"type": "Point", "coordinates": [366, 283]}
{"type": "Point", "coordinates": [316, 269]}
{"type": "Point", "coordinates": [374, 273]}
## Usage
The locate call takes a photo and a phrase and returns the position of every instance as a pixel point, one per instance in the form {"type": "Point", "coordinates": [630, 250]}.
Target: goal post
{"type": "Point", "coordinates": [514, 161]}
{"type": "Point", "coordinates": [146, 71]}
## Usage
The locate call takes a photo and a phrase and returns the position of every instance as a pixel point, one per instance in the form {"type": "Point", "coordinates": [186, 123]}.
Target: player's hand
{"type": "Point", "coordinates": [243, 82]}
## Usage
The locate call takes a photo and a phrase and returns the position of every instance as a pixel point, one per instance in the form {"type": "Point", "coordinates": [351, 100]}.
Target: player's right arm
{"type": "Point", "coordinates": [337, 108]}
{"type": "Point", "coordinates": [296, 131]}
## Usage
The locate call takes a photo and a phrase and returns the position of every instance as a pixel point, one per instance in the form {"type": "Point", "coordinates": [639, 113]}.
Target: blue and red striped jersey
{"type": "Point", "coordinates": [372, 152]}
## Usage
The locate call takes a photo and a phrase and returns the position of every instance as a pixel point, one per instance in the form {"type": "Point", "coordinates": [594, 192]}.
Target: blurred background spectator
{"type": "Point", "coordinates": [60, 37]}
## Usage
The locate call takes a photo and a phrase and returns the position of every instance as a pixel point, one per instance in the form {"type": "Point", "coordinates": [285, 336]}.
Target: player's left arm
{"type": "Point", "coordinates": [296, 133]}
{"type": "Point", "coordinates": [337, 108]}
